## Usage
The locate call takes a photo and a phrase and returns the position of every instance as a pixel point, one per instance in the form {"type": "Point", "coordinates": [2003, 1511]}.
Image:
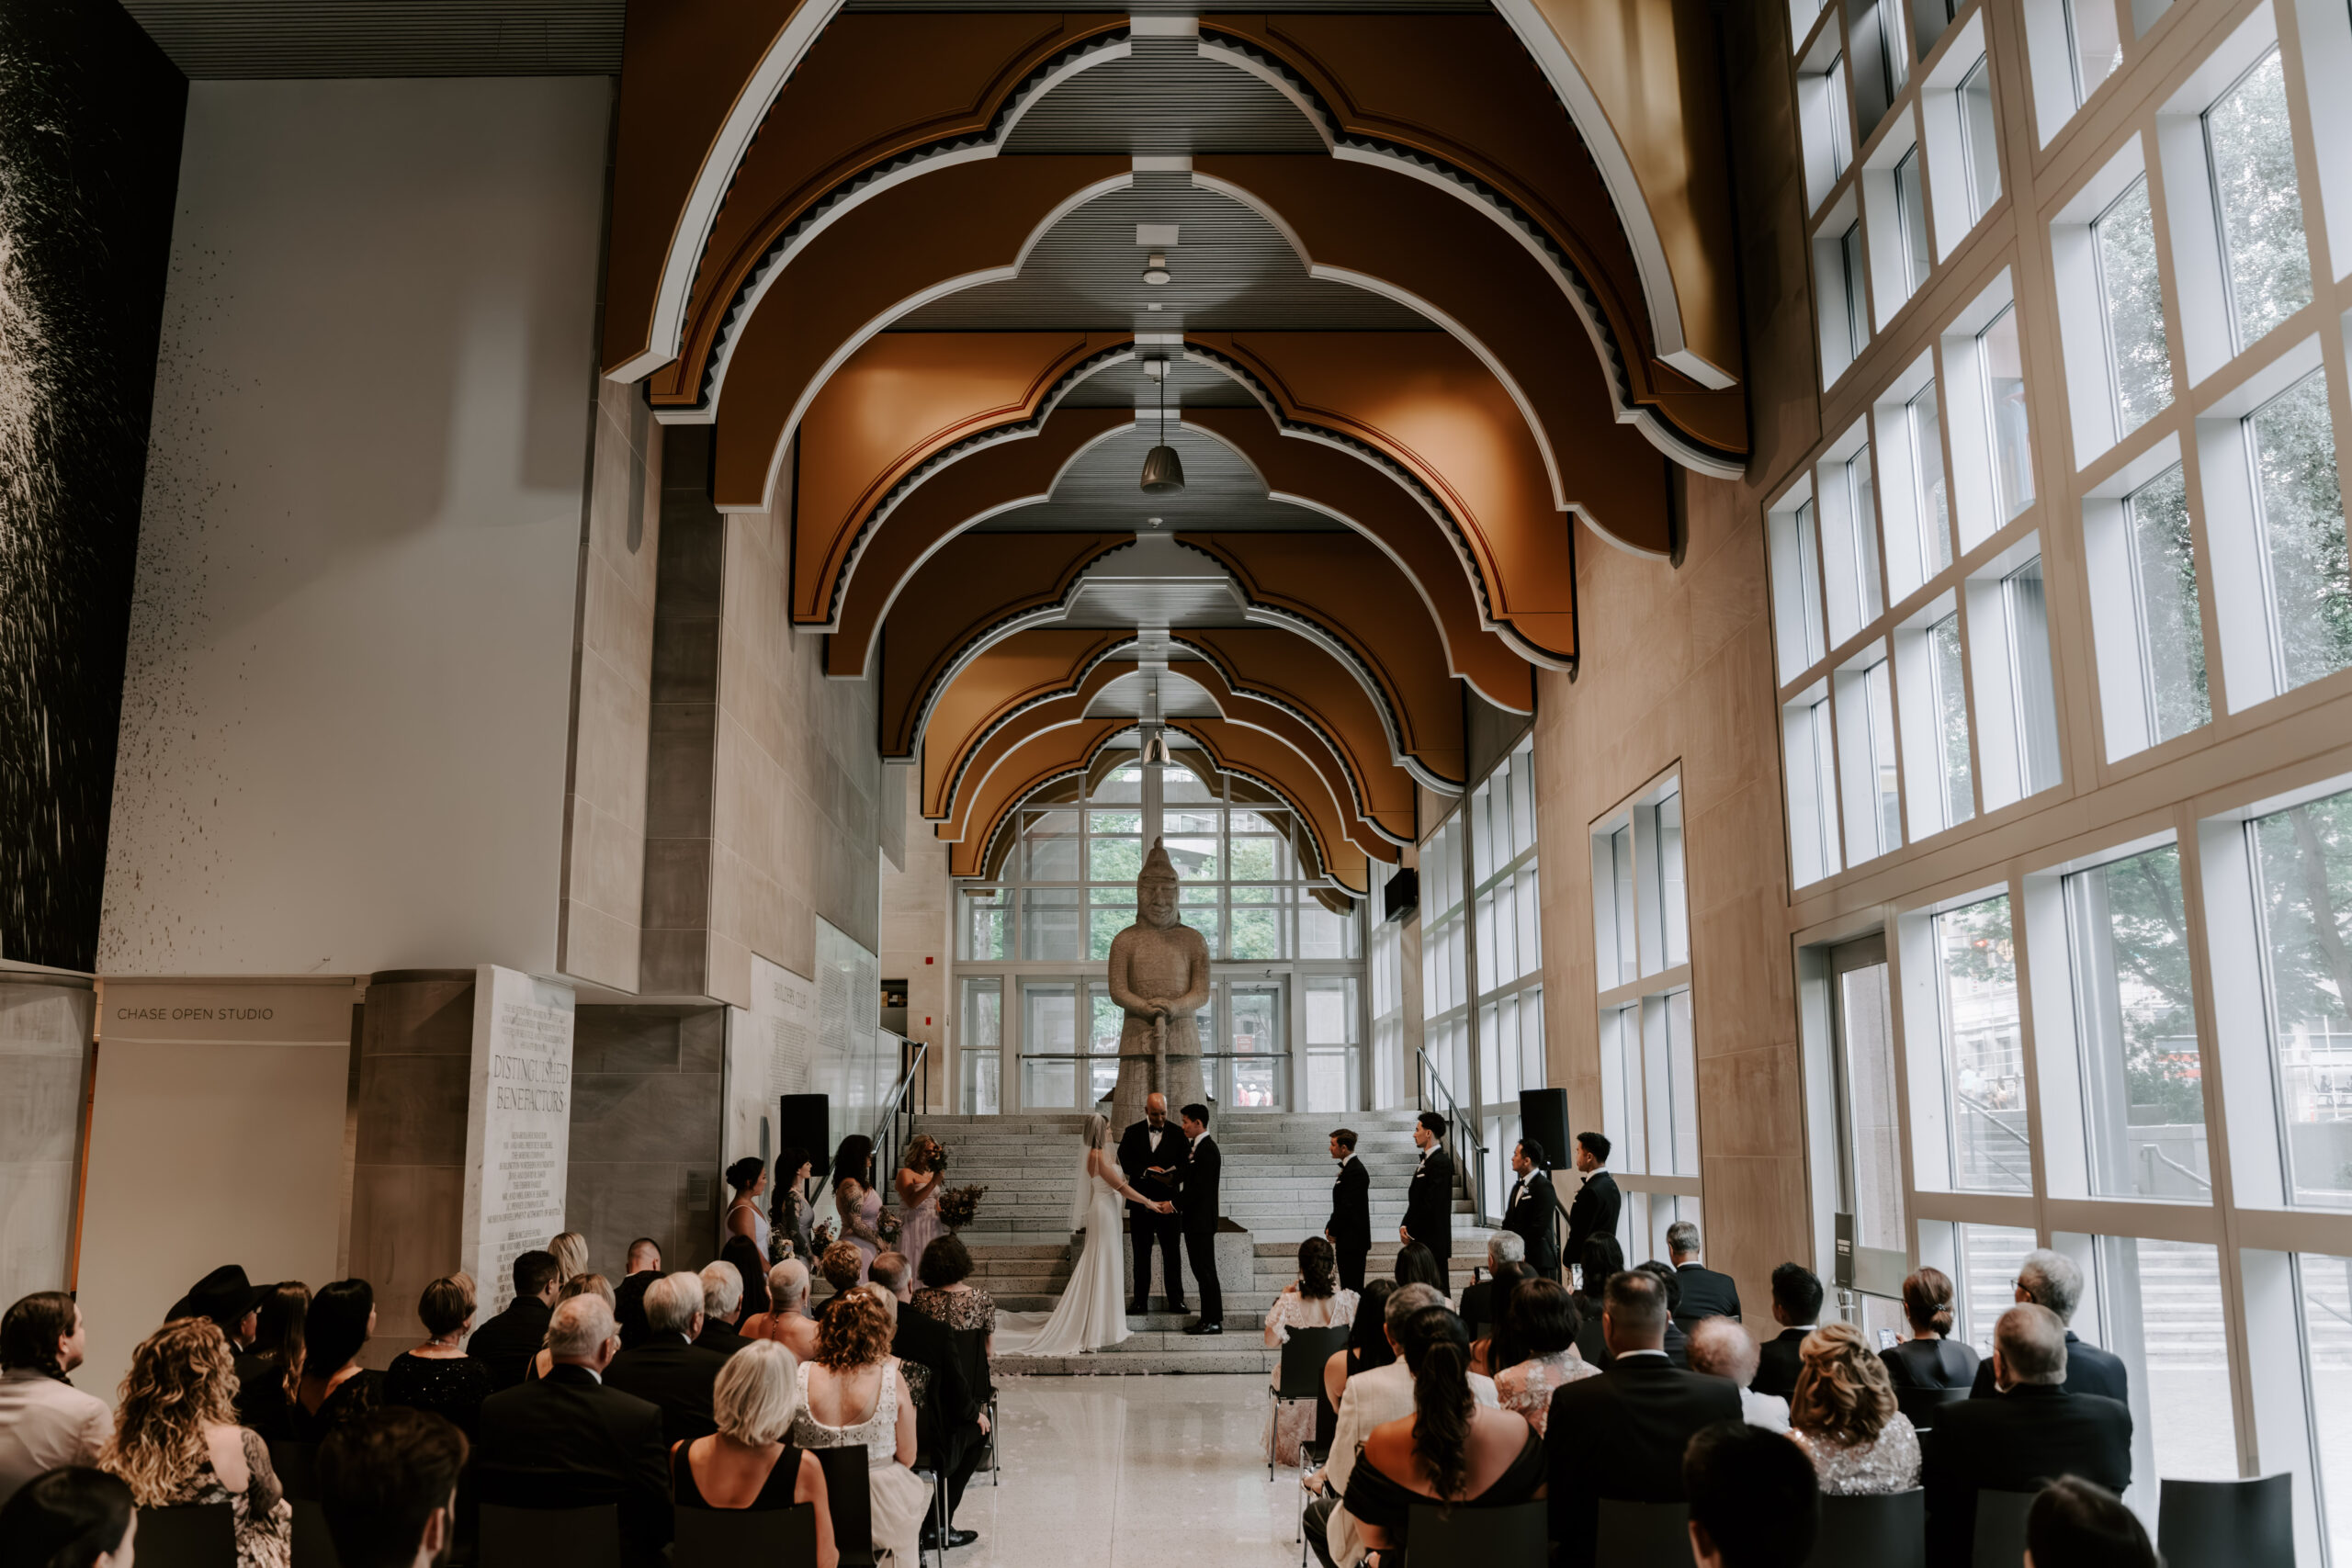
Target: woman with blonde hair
{"type": "Point", "coordinates": [578, 1285]}
{"type": "Point", "coordinates": [570, 1249]}
{"type": "Point", "coordinates": [176, 1440]}
{"type": "Point", "coordinates": [1843, 1416]}
{"type": "Point", "coordinates": [784, 1322]}
{"type": "Point", "coordinates": [852, 1396]}
{"type": "Point", "coordinates": [748, 1463]}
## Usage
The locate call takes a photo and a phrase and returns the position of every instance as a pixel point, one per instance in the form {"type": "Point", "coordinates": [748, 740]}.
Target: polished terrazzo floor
{"type": "Point", "coordinates": [1132, 1473]}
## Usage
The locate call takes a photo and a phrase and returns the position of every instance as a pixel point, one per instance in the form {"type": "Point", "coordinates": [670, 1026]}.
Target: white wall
{"type": "Point", "coordinates": [348, 689]}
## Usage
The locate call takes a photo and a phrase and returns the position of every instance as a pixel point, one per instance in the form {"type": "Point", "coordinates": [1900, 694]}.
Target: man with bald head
{"type": "Point", "coordinates": [2029, 1432]}
{"type": "Point", "coordinates": [1721, 1348]}
{"type": "Point", "coordinates": [1150, 1153]}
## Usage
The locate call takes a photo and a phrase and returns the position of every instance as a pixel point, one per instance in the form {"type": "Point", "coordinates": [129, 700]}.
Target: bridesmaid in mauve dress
{"type": "Point", "coordinates": [919, 1183]}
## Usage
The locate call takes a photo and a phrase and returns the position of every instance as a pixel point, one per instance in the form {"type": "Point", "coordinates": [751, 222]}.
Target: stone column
{"type": "Point", "coordinates": [44, 1061]}
{"type": "Point", "coordinates": [408, 1187]}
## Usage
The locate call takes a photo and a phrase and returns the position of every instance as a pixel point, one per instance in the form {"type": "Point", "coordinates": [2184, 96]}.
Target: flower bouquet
{"type": "Point", "coordinates": [957, 1205]}
{"type": "Point", "coordinates": [888, 1227]}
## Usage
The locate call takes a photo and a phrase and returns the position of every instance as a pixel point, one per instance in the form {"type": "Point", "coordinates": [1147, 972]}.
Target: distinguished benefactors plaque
{"type": "Point", "coordinates": [518, 1126]}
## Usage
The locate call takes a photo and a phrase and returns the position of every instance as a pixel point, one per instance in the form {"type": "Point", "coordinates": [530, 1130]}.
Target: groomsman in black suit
{"type": "Point", "coordinates": [1531, 1214]}
{"type": "Point", "coordinates": [1197, 1203]}
{"type": "Point", "coordinates": [1350, 1227]}
{"type": "Point", "coordinates": [1594, 1212]}
{"type": "Point", "coordinates": [1429, 1202]}
{"type": "Point", "coordinates": [1151, 1153]}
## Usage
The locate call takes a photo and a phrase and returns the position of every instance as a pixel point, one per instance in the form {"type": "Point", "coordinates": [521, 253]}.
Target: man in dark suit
{"type": "Point", "coordinates": [506, 1345]}
{"type": "Point", "coordinates": [1532, 1212]}
{"type": "Point", "coordinates": [566, 1440]}
{"type": "Point", "coordinates": [669, 1369]}
{"type": "Point", "coordinates": [2052, 1279]}
{"type": "Point", "coordinates": [722, 1297]}
{"type": "Point", "coordinates": [1796, 1307]}
{"type": "Point", "coordinates": [950, 1418]}
{"type": "Point", "coordinates": [2028, 1432]}
{"type": "Point", "coordinates": [1594, 1209]}
{"type": "Point", "coordinates": [1348, 1230]}
{"type": "Point", "coordinates": [1621, 1436]}
{"type": "Point", "coordinates": [1196, 1204]}
{"type": "Point", "coordinates": [1705, 1293]}
{"type": "Point", "coordinates": [1150, 1155]}
{"type": "Point", "coordinates": [1429, 1202]}
{"type": "Point", "coordinates": [629, 1296]}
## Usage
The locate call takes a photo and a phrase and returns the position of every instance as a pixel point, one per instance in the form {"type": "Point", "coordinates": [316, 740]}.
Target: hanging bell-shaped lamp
{"type": "Point", "coordinates": [1163, 472]}
{"type": "Point", "coordinates": [1155, 750]}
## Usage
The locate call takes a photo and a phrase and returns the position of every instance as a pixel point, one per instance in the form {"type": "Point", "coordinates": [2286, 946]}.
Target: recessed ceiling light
{"type": "Point", "coordinates": [1156, 272]}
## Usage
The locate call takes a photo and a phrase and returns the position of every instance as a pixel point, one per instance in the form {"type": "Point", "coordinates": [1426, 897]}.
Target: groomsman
{"type": "Point", "coordinates": [1529, 1213]}
{"type": "Point", "coordinates": [1350, 1227]}
{"type": "Point", "coordinates": [1594, 1213]}
{"type": "Point", "coordinates": [1429, 1202]}
{"type": "Point", "coordinates": [1151, 1153]}
{"type": "Point", "coordinates": [1197, 1202]}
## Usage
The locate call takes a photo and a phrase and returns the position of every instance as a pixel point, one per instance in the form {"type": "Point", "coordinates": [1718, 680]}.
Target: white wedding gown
{"type": "Point", "coordinates": [1093, 1312]}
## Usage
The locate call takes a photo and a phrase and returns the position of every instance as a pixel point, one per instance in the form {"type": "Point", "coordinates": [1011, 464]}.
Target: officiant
{"type": "Point", "coordinates": [1151, 1154]}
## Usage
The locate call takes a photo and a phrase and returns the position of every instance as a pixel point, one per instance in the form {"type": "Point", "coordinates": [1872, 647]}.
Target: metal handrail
{"type": "Point", "coordinates": [1993, 1114]}
{"type": "Point", "coordinates": [886, 1123]}
{"type": "Point", "coordinates": [1466, 1132]}
{"type": "Point", "coordinates": [2156, 1154]}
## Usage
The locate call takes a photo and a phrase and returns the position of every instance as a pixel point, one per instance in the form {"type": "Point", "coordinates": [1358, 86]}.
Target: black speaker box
{"type": "Point", "coordinates": [805, 1124]}
{"type": "Point", "coordinates": [1544, 1116]}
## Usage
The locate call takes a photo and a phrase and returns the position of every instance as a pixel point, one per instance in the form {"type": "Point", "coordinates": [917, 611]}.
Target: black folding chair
{"type": "Point", "coordinates": [1921, 1405]}
{"type": "Point", "coordinates": [1641, 1535]}
{"type": "Point", "coordinates": [1301, 1379]}
{"type": "Point", "coordinates": [529, 1537]}
{"type": "Point", "coordinates": [2000, 1529]}
{"type": "Point", "coordinates": [972, 1357]}
{"type": "Point", "coordinates": [932, 1473]}
{"type": "Point", "coordinates": [313, 1546]}
{"type": "Point", "coordinates": [848, 1490]}
{"type": "Point", "coordinates": [729, 1537]}
{"type": "Point", "coordinates": [2227, 1524]}
{"type": "Point", "coordinates": [202, 1535]}
{"type": "Point", "coordinates": [1886, 1530]}
{"type": "Point", "coordinates": [1487, 1538]}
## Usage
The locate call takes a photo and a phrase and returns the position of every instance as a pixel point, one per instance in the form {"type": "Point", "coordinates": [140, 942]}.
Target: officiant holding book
{"type": "Point", "coordinates": [1151, 1154]}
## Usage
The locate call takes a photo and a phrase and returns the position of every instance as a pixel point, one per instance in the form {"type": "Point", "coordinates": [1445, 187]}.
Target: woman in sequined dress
{"type": "Point", "coordinates": [1843, 1416]}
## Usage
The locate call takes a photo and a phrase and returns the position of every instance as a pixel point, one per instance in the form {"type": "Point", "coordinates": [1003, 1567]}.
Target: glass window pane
{"type": "Point", "coordinates": [1979, 142]}
{"type": "Point", "coordinates": [1127, 784]}
{"type": "Point", "coordinates": [1983, 1051]}
{"type": "Point", "coordinates": [1911, 211]}
{"type": "Point", "coordinates": [1118, 861]}
{"type": "Point", "coordinates": [1934, 510]}
{"type": "Point", "coordinates": [1674, 913]}
{"type": "Point", "coordinates": [2003, 367]}
{"type": "Point", "coordinates": [2095, 42]}
{"type": "Point", "coordinates": [2303, 864]}
{"type": "Point", "coordinates": [1049, 923]}
{"type": "Point", "coordinates": [2158, 1306]}
{"type": "Point", "coordinates": [1196, 859]}
{"type": "Point", "coordinates": [1621, 1115]}
{"type": "Point", "coordinates": [1257, 932]}
{"type": "Point", "coordinates": [1873, 1115]}
{"type": "Point", "coordinates": [2138, 359]}
{"type": "Point", "coordinates": [1181, 786]}
{"type": "Point", "coordinates": [1858, 316]}
{"type": "Point", "coordinates": [1946, 676]}
{"type": "Point", "coordinates": [2135, 1020]}
{"type": "Point", "coordinates": [2302, 510]}
{"type": "Point", "coordinates": [2164, 582]}
{"type": "Point", "coordinates": [1989, 1258]}
{"type": "Point", "coordinates": [1841, 140]}
{"type": "Point", "coordinates": [2264, 262]}
{"type": "Point", "coordinates": [1051, 839]}
{"type": "Point", "coordinates": [1879, 684]}
{"type": "Point", "coordinates": [2026, 605]}
{"type": "Point", "coordinates": [985, 933]}
{"type": "Point", "coordinates": [1862, 493]}
{"type": "Point", "coordinates": [2326, 1291]}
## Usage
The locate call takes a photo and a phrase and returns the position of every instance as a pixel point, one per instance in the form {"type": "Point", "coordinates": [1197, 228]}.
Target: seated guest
{"type": "Point", "coordinates": [722, 1300]}
{"type": "Point", "coordinates": [388, 1487]}
{"type": "Point", "coordinates": [1754, 1502]}
{"type": "Point", "coordinates": [1622, 1435]}
{"type": "Point", "coordinates": [642, 1268]}
{"type": "Point", "coordinates": [1601, 1261]}
{"type": "Point", "coordinates": [268, 1372]}
{"type": "Point", "coordinates": [786, 1321]}
{"type": "Point", "coordinates": [1796, 1307]}
{"type": "Point", "coordinates": [669, 1370]}
{"type": "Point", "coordinates": [568, 1442]}
{"type": "Point", "coordinates": [1492, 1350]}
{"type": "Point", "coordinates": [2035, 1429]}
{"type": "Point", "coordinates": [1705, 1293]}
{"type": "Point", "coordinates": [333, 1386]}
{"type": "Point", "coordinates": [570, 1251]}
{"type": "Point", "coordinates": [73, 1517]}
{"type": "Point", "coordinates": [506, 1345]}
{"type": "Point", "coordinates": [1417, 1265]}
{"type": "Point", "coordinates": [1314, 1300]}
{"type": "Point", "coordinates": [2075, 1524]}
{"type": "Point", "coordinates": [45, 1421]}
{"type": "Point", "coordinates": [438, 1376]}
{"type": "Point", "coordinates": [1451, 1450]}
{"type": "Point", "coordinates": [1721, 1348]}
{"type": "Point", "coordinates": [1367, 1345]}
{"type": "Point", "coordinates": [1503, 1246]}
{"type": "Point", "coordinates": [176, 1440]}
{"type": "Point", "coordinates": [2054, 1280]}
{"type": "Point", "coordinates": [1677, 1344]}
{"type": "Point", "coordinates": [843, 1265]}
{"type": "Point", "coordinates": [957, 1430]}
{"type": "Point", "coordinates": [751, 1269]}
{"type": "Point", "coordinates": [1843, 1416]}
{"type": "Point", "coordinates": [747, 1463]}
{"type": "Point", "coordinates": [232, 1302]}
{"type": "Point", "coordinates": [853, 1396]}
{"type": "Point", "coordinates": [578, 1285]}
{"type": "Point", "coordinates": [1930, 1358]}
{"type": "Point", "coordinates": [1544, 1330]}
{"type": "Point", "coordinates": [948, 1292]}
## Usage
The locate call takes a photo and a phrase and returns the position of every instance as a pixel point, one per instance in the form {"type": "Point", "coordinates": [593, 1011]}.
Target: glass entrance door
{"type": "Point", "coordinates": [1870, 1130]}
{"type": "Point", "coordinates": [1248, 1046]}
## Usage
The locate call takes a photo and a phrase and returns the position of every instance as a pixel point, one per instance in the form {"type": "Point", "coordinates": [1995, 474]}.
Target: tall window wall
{"type": "Point", "coordinates": [2063, 612]}
{"type": "Point", "coordinates": [1037, 1030]}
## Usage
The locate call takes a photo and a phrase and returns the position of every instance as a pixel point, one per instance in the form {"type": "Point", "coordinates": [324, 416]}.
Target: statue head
{"type": "Point", "coordinates": [1156, 889]}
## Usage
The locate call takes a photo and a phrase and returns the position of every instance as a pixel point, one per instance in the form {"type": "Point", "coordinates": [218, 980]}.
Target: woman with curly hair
{"type": "Point", "coordinates": [1843, 1416]}
{"type": "Point", "coordinates": [851, 1395]}
{"type": "Point", "coordinates": [1314, 1300]}
{"type": "Point", "coordinates": [333, 1387]}
{"type": "Point", "coordinates": [177, 1439]}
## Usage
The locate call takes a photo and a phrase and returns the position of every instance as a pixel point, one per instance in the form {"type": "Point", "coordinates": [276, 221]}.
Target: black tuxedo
{"type": "Point", "coordinates": [667, 1371]}
{"type": "Point", "coordinates": [1197, 1207]}
{"type": "Point", "coordinates": [1429, 1205]}
{"type": "Point", "coordinates": [1148, 1230]}
{"type": "Point", "coordinates": [1529, 1216]}
{"type": "Point", "coordinates": [1621, 1436]}
{"type": "Point", "coordinates": [2089, 1370]}
{"type": "Point", "coordinates": [1593, 1213]}
{"type": "Point", "coordinates": [506, 1345]}
{"type": "Point", "coordinates": [2013, 1442]}
{"type": "Point", "coordinates": [567, 1441]}
{"type": "Point", "coordinates": [1778, 1363]}
{"type": "Point", "coordinates": [1705, 1293]}
{"type": "Point", "coordinates": [629, 1307]}
{"type": "Point", "coordinates": [1349, 1226]}
{"type": "Point", "coordinates": [719, 1334]}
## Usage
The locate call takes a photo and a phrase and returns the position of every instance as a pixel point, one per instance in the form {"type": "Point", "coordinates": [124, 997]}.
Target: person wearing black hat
{"type": "Point", "coordinates": [233, 1304]}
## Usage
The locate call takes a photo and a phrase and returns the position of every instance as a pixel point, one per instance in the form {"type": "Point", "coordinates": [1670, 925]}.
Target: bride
{"type": "Point", "coordinates": [1092, 1314]}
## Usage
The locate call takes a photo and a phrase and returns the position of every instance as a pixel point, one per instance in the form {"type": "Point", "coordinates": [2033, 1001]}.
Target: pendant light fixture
{"type": "Point", "coordinates": [1163, 472]}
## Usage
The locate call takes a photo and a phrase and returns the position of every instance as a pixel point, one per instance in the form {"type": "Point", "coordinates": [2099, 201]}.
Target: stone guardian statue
{"type": "Point", "coordinates": [1160, 976]}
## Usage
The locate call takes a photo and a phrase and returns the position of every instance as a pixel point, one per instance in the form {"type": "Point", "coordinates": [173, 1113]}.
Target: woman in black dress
{"type": "Point", "coordinates": [747, 1463]}
{"type": "Point", "coordinates": [438, 1375]}
{"type": "Point", "coordinates": [1928, 1358]}
{"type": "Point", "coordinates": [335, 1388]}
{"type": "Point", "coordinates": [262, 1402]}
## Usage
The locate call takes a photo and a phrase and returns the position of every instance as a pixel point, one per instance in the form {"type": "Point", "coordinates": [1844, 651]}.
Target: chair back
{"type": "Point", "coordinates": [2227, 1524]}
{"type": "Point", "coordinates": [727, 1538]}
{"type": "Point", "coordinates": [2000, 1529]}
{"type": "Point", "coordinates": [1885, 1530]}
{"type": "Point", "coordinates": [296, 1465]}
{"type": "Point", "coordinates": [1304, 1354]}
{"type": "Point", "coordinates": [1482, 1538]}
{"type": "Point", "coordinates": [848, 1490]}
{"type": "Point", "coordinates": [313, 1546]}
{"type": "Point", "coordinates": [199, 1535]}
{"type": "Point", "coordinates": [1643, 1535]}
{"type": "Point", "coordinates": [1920, 1405]}
{"type": "Point", "coordinates": [530, 1538]}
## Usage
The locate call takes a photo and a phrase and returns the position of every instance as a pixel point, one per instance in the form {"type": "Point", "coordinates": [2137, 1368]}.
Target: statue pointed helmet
{"type": "Point", "coordinates": [1157, 866]}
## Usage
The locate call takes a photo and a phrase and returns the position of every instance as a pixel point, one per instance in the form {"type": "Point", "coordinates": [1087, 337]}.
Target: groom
{"type": "Point", "coordinates": [1196, 1203]}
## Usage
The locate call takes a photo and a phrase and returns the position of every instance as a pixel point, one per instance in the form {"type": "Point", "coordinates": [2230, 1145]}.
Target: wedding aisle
{"type": "Point", "coordinates": [1132, 1473]}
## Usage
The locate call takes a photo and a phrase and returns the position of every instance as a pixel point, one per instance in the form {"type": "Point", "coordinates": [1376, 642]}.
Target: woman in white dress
{"type": "Point", "coordinates": [1093, 1313]}
{"type": "Point", "coordinates": [852, 1396]}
